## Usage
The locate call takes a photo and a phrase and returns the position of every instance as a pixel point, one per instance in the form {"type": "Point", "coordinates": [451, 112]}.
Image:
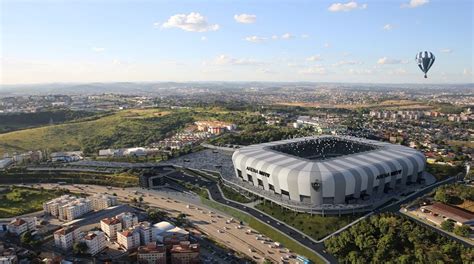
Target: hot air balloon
{"type": "Point", "coordinates": [425, 60]}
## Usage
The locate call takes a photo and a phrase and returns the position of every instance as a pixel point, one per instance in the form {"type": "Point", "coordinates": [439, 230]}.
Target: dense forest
{"type": "Point", "coordinates": [389, 238]}
{"type": "Point", "coordinates": [12, 122]}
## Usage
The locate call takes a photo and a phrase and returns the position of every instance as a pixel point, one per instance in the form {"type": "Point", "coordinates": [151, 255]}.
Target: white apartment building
{"type": "Point", "coordinates": [52, 207]}
{"type": "Point", "coordinates": [147, 234]}
{"type": "Point", "coordinates": [75, 209]}
{"type": "Point", "coordinates": [95, 242]}
{"type": "Point", "coordinates": [67, 207]}
{"type": "Point", "coordinates": [20, 225]}
{"type": "Point", "coordinates": [102, 201]}
{"type": "Point", "coordinates": [111, 226]}
{"type": "Point", "coordinates": [65, 237]}
{"type": "Point", "coordinates": [129, 239]}
{"type": "Point", "coordinates": [128, 219]}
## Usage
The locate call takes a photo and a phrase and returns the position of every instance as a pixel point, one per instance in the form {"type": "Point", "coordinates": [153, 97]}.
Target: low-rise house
{"type": "Point", "coordinates": [95, 242]}
{"type": "Point", "coordinates": [185, 253]}
{"type": "Point", "coordinates": [151, 254]}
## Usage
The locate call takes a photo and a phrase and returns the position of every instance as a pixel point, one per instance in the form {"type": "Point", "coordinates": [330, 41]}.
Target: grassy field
{"type": "Point", "coordinates": [21, 200]}
{"type": "Point", "coordinates": [314, 226]}
{"type": "Point", "coordinates": [119, 129]}
{"type": "Point", "coordinates": [230, 194]}
{"type": "Point", "coordinates": [266, 230]}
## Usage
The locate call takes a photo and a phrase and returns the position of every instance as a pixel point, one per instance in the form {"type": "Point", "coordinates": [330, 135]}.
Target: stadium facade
{"type": "Point", "coordinates": [327, 171]}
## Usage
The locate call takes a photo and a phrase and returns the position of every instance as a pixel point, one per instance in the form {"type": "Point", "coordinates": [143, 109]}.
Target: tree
{"type": "Point", "coordinates": [80, 248]}
{"type": "Point", "coordinates": [463, 230]}
{"type": "Point", "coordinates": [442, 196]}
{"type": "Point", "coordinates": [156, 215]}
{"type": "Point", "coordinates": [447, 225]}
{"type": "Point", "coordinates": [26, 238]}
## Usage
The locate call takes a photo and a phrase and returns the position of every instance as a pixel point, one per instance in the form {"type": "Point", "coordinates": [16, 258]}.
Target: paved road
{"type": "Point", "coordinates": [217, 196]}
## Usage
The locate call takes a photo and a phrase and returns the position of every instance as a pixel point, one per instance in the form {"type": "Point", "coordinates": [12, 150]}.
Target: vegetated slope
{"type": "Point", "coordinates": [389, 238]}
{"type": "Point", "coordinates": [17, 121]}
{"type": "Point", "coordinates": [123, 129]}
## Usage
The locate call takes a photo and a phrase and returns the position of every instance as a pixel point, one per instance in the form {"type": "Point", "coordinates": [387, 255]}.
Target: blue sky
{"type": "Point", "coordinates": [327, 41]}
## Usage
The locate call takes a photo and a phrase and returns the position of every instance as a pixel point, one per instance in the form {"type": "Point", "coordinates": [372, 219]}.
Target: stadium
{"type": "Point", "coordinates": [327, 173]}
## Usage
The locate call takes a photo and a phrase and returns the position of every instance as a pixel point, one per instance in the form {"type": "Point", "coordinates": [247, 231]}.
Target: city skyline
{"type": "Point", "coordinates": [328, 41]}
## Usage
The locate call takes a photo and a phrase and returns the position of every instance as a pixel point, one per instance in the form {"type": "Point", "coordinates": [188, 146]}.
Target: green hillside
{"type": "Point", "coordinates": [123, 129]}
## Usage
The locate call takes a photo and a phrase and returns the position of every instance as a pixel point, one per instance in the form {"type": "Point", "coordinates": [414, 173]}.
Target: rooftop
{"type": "Point", "coordinates": [452, 212]}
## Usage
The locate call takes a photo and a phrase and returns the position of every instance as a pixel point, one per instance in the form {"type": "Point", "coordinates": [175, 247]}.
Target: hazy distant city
{"type": "Point", "coordinates": [210, 132]}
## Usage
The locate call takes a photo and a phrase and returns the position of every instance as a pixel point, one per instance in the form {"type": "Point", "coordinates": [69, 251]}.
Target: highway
{"type": "Point", "coordinates": [277, 225]}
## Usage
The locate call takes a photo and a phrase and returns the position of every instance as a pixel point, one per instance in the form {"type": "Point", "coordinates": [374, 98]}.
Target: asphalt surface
{"type": "Point", "coordinates": [282, 227]}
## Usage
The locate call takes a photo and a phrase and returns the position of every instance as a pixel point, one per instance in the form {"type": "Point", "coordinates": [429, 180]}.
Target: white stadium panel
{"type": "Point", "coordinates": [328, 169]}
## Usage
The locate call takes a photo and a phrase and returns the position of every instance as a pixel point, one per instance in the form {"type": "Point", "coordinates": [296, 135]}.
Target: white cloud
{"type": "Point", "coordinates": [305, 36]}
{"type": "Point", "coordinates": [398, 71]}
{"type": "Point", "coordinates": [385, 60]}
{"type": "Point", "coordinates": [446, 50]}
{"type": "Point", "coordinates": [274, 37]}
{"type": "Point", "coordinates": [97, 49]}
{"type": "Point", "coordinates": [318, 69]}
{"type": "Point", "coordinates": [245, 18]}
{"type": "Point", "coordinates": [326, 45]}
{"type": "Point", "coordinates": [347, 62]}
{"type": "Point", "coordinates": [388, 27]}
{"type": "Point", "coordinates": [193, 22]}
{"type": "Point", "coordinates": [255, 39]}
{"type": "Point", "coordinates": [116, 62]}
{"type": "Point", "coordinates": [204, 38]}
{"type": "Point", "coordinates": [360, 71]}
{"type": "Point", "coordinates": [287, 36]}
{"type": "Point", "coordinates": [466, 72]}
{"type": "Point", "coordinates": [157, 24]}
{"type": "Point", "coordinates": [341, 7]}
{"type": "Point", "coordinates": [228, 60]}
{"type": "Point", "coordinates": [314, 58]}
{"type": "Point", "coordinates": [415, 3]}
{"type": "Point", "coordinates": [267, 71]}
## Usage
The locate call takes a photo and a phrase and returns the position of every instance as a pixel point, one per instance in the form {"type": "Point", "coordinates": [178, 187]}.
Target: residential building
{"type": "Point", "coordinates": [67, 207]}
{"type": "Point", "coordinates": [147, 234]}
{"type": "Point", "coordinates": [152, 254]}
{"type": "Point", "coordinates": [185, 253]}
{"type": "Point", "coordinates": [111, 226]}
{"type": "Point", "coordinates": [129, 239]}
{"type": "Point", "coordinates": [102, 201]}
{"type": "Point", "coordinates": [128, 219]}
{"type": "Point", "coordinates": [65, 237]}
{"type": "Point", "coordinates": [95, 241]}
{"type": "Point", "coordinates": [20, 225]}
